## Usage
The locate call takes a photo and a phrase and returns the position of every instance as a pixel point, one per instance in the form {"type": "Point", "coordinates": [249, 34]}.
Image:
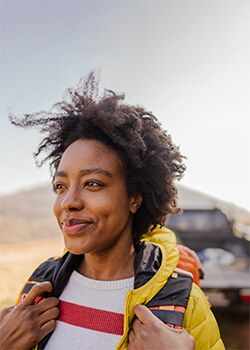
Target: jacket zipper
{"type": "Point", "coordinates": [126, 325]}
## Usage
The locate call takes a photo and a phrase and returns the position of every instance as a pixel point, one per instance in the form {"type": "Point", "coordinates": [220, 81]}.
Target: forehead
{"type": "Point", "coordinates": [88, 154]}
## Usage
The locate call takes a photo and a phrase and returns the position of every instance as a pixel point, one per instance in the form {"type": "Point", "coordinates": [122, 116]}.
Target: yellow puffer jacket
{"type": "Point", "coordinates": [198, 321]}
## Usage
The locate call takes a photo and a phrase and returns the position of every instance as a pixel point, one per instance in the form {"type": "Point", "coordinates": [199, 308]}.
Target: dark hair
{"type": "Point", "coordinates": [151, 161]}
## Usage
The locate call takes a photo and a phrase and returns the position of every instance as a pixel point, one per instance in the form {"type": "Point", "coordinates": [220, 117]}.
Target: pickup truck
{"type": "Point", "coordinates": [224, 256]}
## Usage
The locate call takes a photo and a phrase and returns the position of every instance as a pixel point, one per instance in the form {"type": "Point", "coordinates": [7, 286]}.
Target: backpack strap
{"type": "Point", "coordinates": [170, 303]}
{"type": "Point", "coordinates": [43, 273]}
{"type": "Point", "coordinates": [55, 270]}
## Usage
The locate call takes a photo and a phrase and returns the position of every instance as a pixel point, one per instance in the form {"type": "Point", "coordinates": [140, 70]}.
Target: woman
{"type": "Point", "coordinates": [114, 169]}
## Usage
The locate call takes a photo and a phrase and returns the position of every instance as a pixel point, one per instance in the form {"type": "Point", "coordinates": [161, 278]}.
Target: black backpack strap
{"type": "Point", "coordinates": [61, 275]}
{"type": "Point", "coordinates": [170, 303]}
{"type": "Point", "coordinates": [44, 272]}
{"type": "Point", "coordinates": [55, 270]}
{"type": "Point", "coordinates": [170, 317]}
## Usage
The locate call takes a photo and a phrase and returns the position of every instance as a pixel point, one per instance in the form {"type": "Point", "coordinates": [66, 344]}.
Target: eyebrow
{"type": "Point", "coordinates": [85, 172]}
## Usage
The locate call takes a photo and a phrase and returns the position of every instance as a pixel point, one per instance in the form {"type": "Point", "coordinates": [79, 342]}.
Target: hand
{"type": "Point", "coordinates": [148, 332]}
{"type": "Point", "coordinates": [25, 325]}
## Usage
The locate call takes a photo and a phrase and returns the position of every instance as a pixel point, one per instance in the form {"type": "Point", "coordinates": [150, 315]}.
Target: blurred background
{"type": "Point", "coordinates": [188, 63]}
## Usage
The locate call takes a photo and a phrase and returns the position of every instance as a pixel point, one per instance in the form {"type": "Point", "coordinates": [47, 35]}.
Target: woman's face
{"type": "Point", "coordinates": [92, 206]}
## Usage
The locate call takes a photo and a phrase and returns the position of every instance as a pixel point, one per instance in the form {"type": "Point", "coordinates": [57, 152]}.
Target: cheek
{"type": "Point", "coordinates": [115, 210]}
{"type": "Point", "coordinates": [101, 208]}
{"type": "Point", "coordinates": [56, 208]}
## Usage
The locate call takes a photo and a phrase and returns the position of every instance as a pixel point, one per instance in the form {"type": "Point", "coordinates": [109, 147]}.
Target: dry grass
{"type": "Point", "coordinates": [17, 262]}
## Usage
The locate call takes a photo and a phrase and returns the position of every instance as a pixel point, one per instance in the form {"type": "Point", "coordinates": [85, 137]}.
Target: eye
{"type": "Point", "coordinates": [58, 187]}
{"type": "Point", "coordinates": [93, 184]}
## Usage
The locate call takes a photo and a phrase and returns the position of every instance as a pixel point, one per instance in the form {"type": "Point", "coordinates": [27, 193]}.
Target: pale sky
{"type": "Point", "coordinates": [186, 61]}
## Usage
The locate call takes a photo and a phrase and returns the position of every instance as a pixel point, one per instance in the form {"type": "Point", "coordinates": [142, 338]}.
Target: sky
{"type": "Point", "coordinates": [186, 61]}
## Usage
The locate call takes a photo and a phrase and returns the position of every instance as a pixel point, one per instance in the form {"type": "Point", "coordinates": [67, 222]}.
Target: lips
{"type": "Point", "coordinates": [75, 226]}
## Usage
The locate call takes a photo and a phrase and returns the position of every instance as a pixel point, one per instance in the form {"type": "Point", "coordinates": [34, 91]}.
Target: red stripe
{"type": "Point", "coordinates": [94, 319]}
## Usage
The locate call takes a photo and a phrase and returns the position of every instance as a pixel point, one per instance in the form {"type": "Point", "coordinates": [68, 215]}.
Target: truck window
{"type": "Point", "coordinates": [199, 221]}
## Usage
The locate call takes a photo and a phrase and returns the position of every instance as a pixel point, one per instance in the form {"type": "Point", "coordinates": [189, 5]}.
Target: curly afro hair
{"type": "Point", "coordinates": [150, 159]}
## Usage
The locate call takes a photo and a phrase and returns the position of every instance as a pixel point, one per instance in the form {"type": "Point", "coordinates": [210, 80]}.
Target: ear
{"type": "Point", "coordinates": [136, 202]}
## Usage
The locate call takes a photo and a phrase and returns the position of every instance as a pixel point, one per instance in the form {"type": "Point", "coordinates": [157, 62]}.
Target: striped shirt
{"type": "Point", "coordinates": [91, 314]}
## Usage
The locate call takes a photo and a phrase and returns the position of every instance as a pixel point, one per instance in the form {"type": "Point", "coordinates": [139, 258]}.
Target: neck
{"type": "Point", "coordinates": [109, 266]}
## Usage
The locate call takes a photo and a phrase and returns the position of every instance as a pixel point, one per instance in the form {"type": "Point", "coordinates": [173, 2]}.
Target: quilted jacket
{"type": "Point", "coordinates": [158, 284]}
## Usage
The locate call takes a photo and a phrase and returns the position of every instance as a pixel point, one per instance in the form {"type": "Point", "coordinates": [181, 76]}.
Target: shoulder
{"type": "Point", "coordinates": [200, 322]}
{"type": "Point", "coordinates": [44, 272]}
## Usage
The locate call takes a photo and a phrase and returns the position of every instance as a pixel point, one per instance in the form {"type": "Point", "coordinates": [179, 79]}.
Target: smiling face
{"type": "Point", "coordinates": [92, 206]}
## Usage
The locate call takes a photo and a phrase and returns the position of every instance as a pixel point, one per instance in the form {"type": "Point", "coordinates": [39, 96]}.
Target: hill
{"type": "Point", "coordinates": [27, 216]}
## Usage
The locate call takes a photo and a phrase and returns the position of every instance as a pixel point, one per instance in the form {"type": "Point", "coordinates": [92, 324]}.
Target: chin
{"type": "Point", "coordinates": [74, 249]}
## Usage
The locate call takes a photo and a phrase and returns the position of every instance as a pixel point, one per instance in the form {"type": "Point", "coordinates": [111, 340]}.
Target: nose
{"type": "Point", "coordinates": [72, 200]}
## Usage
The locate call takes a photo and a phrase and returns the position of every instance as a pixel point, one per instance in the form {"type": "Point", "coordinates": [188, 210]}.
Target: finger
{"type": "Point", "coordinates": [180, 331]}
{"type": "Point", "coordinates": [131, 335]}
{"type": "Point", "coordinates": [191, 338]}
{"type": "Point", "coordinates": [137, 325]}
{"type": "Point", "coordinates": [46, 329]}
{"type": "Point", "coordinates": [49, 315]}
{"type": "Point", "coordinates": [144, 314]}
{"type": "Point", "coordinates": [187, 338]}
{"type": "Point", "coordinates": [47, 304]}
{"type": "Point", "coordinates": [6, 311]}
{"type": "Point", "coordinates": [35, 291]}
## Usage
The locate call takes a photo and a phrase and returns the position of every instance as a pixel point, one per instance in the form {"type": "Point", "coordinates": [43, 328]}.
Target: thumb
{"type": "Point", "coordinates": [144, 314]}
{"type": "Point", "coordinates": [35, 291]}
